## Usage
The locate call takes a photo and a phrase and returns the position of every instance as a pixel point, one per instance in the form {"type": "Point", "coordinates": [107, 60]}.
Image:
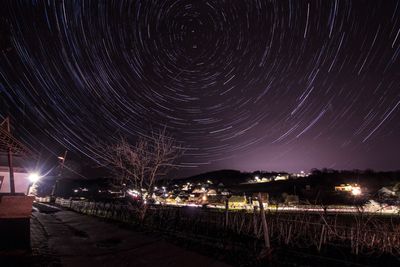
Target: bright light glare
{"type": "Point", "coordinates": [33, 177]}
{"type": "Point", "coordinates": [356, 191]}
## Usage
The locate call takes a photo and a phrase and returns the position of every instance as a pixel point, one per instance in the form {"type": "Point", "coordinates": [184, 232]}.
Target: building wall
{"type": "Point", "coordinates": [20, 179]}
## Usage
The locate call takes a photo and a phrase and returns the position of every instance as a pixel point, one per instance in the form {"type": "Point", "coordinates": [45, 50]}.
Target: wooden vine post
{"type": "Point", "coordinates": [264, 223]}
{"type": "Point", "coordinates": [226, 212]}
{"type": "Point", "coordinates": [255, 228]}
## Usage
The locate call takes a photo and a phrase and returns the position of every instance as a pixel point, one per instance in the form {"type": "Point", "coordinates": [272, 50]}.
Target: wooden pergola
{"type": "Point", "coordinates": [12, 146]}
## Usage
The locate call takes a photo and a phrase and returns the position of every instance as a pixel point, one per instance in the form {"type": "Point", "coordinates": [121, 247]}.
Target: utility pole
{"type": "Point", "coordinates": [62, 159]}
{"type": "Point", "coordinates": [62, 162]}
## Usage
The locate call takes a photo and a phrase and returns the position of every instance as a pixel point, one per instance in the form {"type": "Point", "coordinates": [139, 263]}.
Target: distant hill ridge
{"type": "Point", "coordinates": [227, 177]}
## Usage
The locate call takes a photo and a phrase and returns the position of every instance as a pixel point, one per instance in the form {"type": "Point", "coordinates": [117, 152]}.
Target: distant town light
{"type": "Point", "coordinates": [133, 192]}
{"type": "Point", "coordinates": [353, 189]}
{"type": "Point", "coordinates": [356, 191]}
{"type": "Point", "coordinates": [34, 177]}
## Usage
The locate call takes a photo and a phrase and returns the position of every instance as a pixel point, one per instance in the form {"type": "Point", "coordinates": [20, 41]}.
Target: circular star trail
{"type": "Point", "coordinates": [281, 85]}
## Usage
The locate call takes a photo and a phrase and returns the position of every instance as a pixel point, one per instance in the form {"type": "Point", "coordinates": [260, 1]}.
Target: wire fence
{"type": "Point", "coordinates": [359, 233]}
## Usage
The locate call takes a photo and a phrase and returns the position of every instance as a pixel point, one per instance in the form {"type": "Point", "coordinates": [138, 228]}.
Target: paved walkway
{"type": "Point", "coordinates": [67, 238]}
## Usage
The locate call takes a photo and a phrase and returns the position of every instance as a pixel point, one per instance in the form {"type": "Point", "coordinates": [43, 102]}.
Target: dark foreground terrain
{"type": "Point", "coordinates": [63, 237]}
{"type": "Point", "coordinates": [67, 238]}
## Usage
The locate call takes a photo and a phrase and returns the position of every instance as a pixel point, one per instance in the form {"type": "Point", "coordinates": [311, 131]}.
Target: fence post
{"type": "Point", "coordinates": [226, 212]}
{"type": "Point", "coordinates": [255, 221]}
{"type": "Point", "coordinates": [264, 223]}
{"type": "Point", "coordinates": [321, 238]}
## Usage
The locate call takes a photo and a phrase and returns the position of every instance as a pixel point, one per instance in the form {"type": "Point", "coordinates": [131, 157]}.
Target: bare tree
{"type": "Point", "coordinates": [139, 165]}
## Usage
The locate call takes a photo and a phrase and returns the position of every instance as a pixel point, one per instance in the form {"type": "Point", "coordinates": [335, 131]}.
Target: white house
{"type": "Point", "coordinates": [21, 180]}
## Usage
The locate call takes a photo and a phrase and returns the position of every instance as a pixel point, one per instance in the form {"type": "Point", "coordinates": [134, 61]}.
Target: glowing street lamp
{"type": "Point", "coordinates": [33, 177]}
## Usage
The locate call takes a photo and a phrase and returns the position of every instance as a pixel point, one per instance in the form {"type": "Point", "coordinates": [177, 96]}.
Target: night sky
{"type": "Point", "coordinates": [271, 85]}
